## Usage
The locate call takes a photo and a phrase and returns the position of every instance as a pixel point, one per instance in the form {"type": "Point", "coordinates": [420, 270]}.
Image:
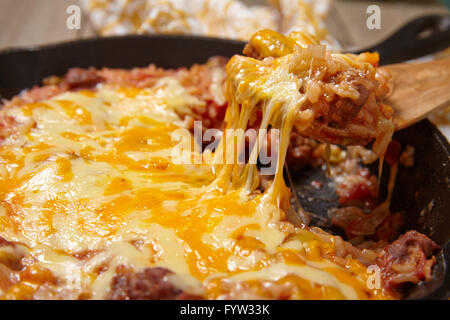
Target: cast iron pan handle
{"type": "Point", "coordinates": [419, 37]}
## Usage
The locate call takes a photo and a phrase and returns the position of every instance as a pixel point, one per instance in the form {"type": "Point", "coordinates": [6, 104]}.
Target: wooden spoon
{"type": "Point", "coordinates": [418, 89]}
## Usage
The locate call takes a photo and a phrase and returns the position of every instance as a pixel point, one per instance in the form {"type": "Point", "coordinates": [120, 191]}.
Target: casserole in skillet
{"type": "Point", "coordinates": [102, 200]}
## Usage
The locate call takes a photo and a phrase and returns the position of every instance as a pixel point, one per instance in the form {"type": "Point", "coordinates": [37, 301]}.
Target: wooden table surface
{"type": "Point", "coordinates": [34, 22]}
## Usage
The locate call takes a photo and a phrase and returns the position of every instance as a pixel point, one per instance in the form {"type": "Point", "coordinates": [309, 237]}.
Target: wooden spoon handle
{"type": "Point", "coordinates": [418, 89]}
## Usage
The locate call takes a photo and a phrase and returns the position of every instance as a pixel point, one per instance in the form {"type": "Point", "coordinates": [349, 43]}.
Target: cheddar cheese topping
{"type": "Point", "coordinates": [92, 184]}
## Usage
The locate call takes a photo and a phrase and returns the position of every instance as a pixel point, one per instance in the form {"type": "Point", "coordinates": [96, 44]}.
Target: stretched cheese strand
{"type": "Point", "coordinates": [288, 86]}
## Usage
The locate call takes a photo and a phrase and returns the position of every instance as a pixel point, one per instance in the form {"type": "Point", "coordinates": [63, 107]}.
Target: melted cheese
{"type": "Point", "coordinates": [272, 88]}
{"type": "Point", "coordinates": [95, 184]}
{"type": "Point", "coordinates": [285, 85]}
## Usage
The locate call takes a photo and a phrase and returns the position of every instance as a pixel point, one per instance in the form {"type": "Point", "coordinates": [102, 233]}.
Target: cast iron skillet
{"type": "Point", "coordinates": [417, 187]}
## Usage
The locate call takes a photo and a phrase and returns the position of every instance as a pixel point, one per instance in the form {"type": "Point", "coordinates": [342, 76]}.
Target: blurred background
{"type": "Point", "coordinates": [34, 22]}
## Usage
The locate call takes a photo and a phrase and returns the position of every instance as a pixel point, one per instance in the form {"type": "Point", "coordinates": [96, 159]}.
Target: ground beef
{"type": "Point", "coordinates": [406, 261]}
{"type": "Point", "coordinates": [11, 254]}
{"type": "Point", "coordinates": [149, 284]}
{"type": "Point", "coordinates": [341, 109]}
{"type": "Point", "coordinates": [6, 126]}
{"type": "Point", "coordinates": [78, 78]}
